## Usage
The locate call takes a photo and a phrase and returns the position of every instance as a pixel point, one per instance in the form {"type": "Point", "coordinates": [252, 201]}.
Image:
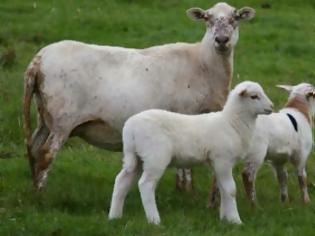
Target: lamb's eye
{"type": "Point", "coordinates": [254, 97]}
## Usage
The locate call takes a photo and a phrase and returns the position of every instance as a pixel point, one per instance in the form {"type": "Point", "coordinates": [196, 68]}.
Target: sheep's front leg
{"type": "Point", "coordinates": [214, 195]}
{"type": "Point", "coordinates": [282, 176]}
{"type": "Point", "coordinates": [147, 185]}
{"type": "Point", "coordinates": [228, 207]}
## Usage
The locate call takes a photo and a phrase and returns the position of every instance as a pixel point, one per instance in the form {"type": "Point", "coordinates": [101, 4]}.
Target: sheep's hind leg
{"type": "Point", "coordinates": [214, 195]}
{"type": "Point", "coordinates": [122, 186]}
{"type": "Point", "coordinates": [184, 179]}
{"type": "Point", "coordinates": [47, 153]}
{"type": "Point", "coordinates": [38, 139]}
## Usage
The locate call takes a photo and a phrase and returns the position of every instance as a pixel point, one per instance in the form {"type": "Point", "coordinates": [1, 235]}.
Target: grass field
{"type": "Point", "coordinates": [278, 46]}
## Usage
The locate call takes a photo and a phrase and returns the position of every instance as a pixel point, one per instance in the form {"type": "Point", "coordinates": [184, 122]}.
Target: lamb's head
{"type": "Point", "coordinates": [301, 97]}
{"type": "Point", "coordinates": [222, 21]}
{"type": "Point", "coordinates": [249, 98]}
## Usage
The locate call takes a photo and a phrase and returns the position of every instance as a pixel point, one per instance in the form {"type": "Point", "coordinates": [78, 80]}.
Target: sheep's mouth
{"type": "Point", "coordinates": [222, 49]}
{"type": "Point", "coordinates": [267, 111]}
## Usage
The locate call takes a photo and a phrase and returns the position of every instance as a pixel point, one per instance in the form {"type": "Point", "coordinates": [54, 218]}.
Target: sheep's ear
{"type": "Point", "coordinates": [287, 88]}
{"type": "Point", "coordinates": [310, 94]}
{"type": "Point", "coordinates": [197, 13]}
{"type": "Point", "coordinates": [245, 13]}
{"type": "Point", "coordinates": [243, 93]}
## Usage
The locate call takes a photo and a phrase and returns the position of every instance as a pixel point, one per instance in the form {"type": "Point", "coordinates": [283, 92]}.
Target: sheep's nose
{"type": "Point", "coordinates": [221, 39]}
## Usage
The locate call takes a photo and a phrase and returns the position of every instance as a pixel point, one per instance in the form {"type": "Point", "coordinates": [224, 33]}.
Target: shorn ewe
{"type": "Point", "coordinates": [158, 138]}
{"type": "Point", "coordinates": [90, 91]}
{"type": "Point", "coordinates": [283, 137]}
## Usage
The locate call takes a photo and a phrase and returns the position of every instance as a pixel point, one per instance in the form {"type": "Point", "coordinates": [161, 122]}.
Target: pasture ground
{"type": "Point", "coordinates": [277, 47]}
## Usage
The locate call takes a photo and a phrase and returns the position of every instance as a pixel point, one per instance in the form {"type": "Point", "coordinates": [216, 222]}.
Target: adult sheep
{"type": "Point", "coordinates": [155, 139]}
{"type": "Point", "coordinates": [90, 91]}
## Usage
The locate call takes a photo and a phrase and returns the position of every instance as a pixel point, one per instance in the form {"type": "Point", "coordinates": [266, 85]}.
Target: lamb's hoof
{"type": "Point", "coordinates": [233, 220]}
{"type": "Point", "coordinates": [154, 220]}
{"type": "Point", "coordinates": [114, 216]}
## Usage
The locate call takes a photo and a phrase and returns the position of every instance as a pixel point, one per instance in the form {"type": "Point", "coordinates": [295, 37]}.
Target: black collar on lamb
{"type": "Point", "coordinates": [293, 121]}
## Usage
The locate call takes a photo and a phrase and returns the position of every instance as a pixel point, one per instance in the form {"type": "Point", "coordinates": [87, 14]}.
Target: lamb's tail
{"type": "Point", "coordinates": [29, 87]}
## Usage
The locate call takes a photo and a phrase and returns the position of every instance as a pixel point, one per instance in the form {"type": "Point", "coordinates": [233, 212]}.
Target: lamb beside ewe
{"type": "Point", "coordinates": [283, 137]}
{"type": "Point", "coordinates": [158, 138]}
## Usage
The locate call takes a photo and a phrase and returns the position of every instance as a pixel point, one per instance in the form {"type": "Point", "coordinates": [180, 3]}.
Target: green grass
{"type": "Point", "coordinates": [278, 46]}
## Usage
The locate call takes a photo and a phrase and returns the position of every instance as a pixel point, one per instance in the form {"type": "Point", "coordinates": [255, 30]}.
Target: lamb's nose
{"type": "Point", "coordinates": [221, 39]}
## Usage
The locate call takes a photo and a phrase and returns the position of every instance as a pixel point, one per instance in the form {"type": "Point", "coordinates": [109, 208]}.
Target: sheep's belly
{"type": "Point", "coordinates": [184, 161]}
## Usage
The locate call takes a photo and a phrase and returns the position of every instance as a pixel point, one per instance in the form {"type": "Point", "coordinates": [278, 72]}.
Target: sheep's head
{"type": "Point", "coordinates": [222, 21]}
{"type": "Point", "coordinates": [301, 95]}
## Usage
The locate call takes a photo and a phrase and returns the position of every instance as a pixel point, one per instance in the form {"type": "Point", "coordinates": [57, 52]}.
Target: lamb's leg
{"type": "Point", "coordinates": [122, 186]}
{"type": "Point", "coordinates": [228, 207]}
{"type": "Point", "coordinates": [301, 173]}
{"type": "Point", "coordinates": [282, 176]}
{"type": "Point", "coordinates": [303, 185]}
{"type": "Point", "coordinates": [147, 185]}
{"type": "Point", "coordinates": [249, 178]}
{"type": "Point", "coordinates": [47, 153]}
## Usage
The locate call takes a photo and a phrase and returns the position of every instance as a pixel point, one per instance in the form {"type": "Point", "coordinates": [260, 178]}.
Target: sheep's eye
{"type": "Point", "coordinates": [254, 97]}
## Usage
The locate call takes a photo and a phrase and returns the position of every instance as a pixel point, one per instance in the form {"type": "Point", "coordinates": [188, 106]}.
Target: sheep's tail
{"type": "Point", "coordinates": [29, 87]}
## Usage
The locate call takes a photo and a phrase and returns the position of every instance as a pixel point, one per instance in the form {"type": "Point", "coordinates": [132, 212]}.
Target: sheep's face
{"type": "Point", "coordinates": [253, 98]}
{"type": "Point", "coordinates": [222, 23]}
{"type": "Point", "coordinates": [303, 92]}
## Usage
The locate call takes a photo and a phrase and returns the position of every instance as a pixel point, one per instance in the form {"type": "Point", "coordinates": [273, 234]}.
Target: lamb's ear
{"type": "Point", "coordinates": [287, 88]}
{"type": "Point", "coordinates": [245, 13]}
{"type": "Point", "coordinates": [197, 13]}
{"type": "Point", "coordinates": [243, 93]}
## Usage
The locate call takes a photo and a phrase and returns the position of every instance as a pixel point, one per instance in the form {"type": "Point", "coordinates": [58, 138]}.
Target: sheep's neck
{"type": "Point", "coordinates": [218, 67]}
{"type": "Point", "coordinates": [300, 105]}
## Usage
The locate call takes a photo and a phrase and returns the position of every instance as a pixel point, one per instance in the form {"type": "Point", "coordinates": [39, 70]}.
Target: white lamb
{"type": "Point", "coordinates": [283, 137]}
{"type": "Point", "coordinates": [157, 139]}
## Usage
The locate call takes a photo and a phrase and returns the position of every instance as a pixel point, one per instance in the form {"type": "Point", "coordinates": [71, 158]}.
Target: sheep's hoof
{"type": "Point", "coordinates": [213, 205]}
{"type": "Point", "coordinates": [189, 188]}
{"type": "Point", "coordinates": [306, 200]}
